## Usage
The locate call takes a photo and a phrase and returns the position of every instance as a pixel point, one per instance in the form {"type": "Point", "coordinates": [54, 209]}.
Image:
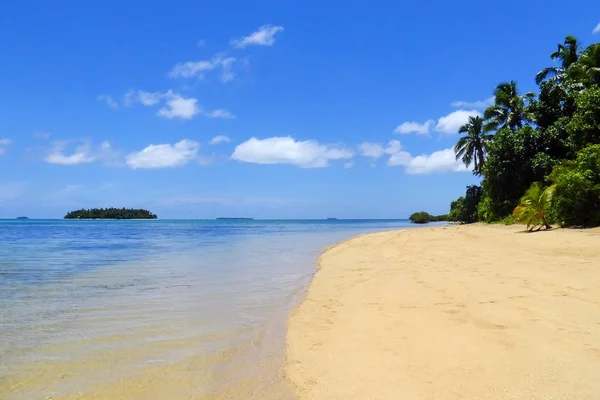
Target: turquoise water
{"type": "Point", "coordinates": [154, 309]}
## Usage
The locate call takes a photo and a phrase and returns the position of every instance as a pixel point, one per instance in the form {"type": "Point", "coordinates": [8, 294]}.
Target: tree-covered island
{"type": "Point", "coordinates": [110, 213]}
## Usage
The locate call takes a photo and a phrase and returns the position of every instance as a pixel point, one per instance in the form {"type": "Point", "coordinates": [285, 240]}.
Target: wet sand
{"type": "Point", "coordinates": [459, 312]}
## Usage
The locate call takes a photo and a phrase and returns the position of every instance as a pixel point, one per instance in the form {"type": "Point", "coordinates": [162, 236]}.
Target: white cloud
{"type": "Point", "coordinates": [348, 164]}
{"type": "Point", "coordinates": [197, 69]}
{"type": "Point", "coordinates": [174, 105]}
{"type": "Point", "coordinates": [286, 150]}
{"type": "Point", "coordinates": [596, 29]}
{"type": "Point", "coordinates": [439, 161]}
{"type": "Point", "coordinates": [164, 155]}
{"type": "Point", "coordinates": [178, 106]}
{"type": "Point", "coordinates": [414, 127]}
{"type": "Point", "coordinates": [475, 104]}
{"type": "Point", "coordinates": [220, 139]}
{"type": "Point", "coordinates": [142, 97]}
{"type": "Point", "coordinates": [108, 100]}
{"type": "Point", "coordinates": [452, 122]}
{"type": "Point", "coordinates": [373, 150]}
{"type": "Point", "coordinates": [264, 36]}
{"type": "Point", "coordinates": [220, 113]}
{"type": "Point", "coordinates": [4, 143]}
{"type": "Point", "coordinates": [227, 74]}
{"type": "Point", "coordinates": [376, 150]}
{"type": "Point", "coordinates": [83, 153]}
{"type": "Point", "coordinates": [191, 69]}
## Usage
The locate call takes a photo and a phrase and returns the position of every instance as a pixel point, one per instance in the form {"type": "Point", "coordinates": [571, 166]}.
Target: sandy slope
{"type": "Point", "coordinates": [469, 312]}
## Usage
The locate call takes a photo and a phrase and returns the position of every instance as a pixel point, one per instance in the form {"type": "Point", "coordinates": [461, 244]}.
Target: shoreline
{"type": "Point", "coordinates": [453, 312]}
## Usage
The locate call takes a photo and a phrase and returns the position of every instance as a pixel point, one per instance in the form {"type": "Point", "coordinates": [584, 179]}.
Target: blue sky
{"type": "Point", "coordinates": [263, 109]}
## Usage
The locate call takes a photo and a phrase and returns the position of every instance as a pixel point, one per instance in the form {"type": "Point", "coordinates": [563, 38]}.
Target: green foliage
{"type": "Point", "coordinates": [509, 109]}
{"type": "Point", "coordinates": [110, 213]}
{"type": "Point", "coordinates": [534, 205]}
{"type": "Point", "coordinates": [471, 148]}
{"type": "Point", "coordinates": [577, 198]}
{"type": "Point", "coordinates": [423, 217]}
{"type": "Point", "coordinates": [464, 209]}
{"type": "Point", "coordinates": [549, 137]}
{"type": "Point", "coordinates": [515, 160]}
{"type": "Point", "coordinates": [583, 128]}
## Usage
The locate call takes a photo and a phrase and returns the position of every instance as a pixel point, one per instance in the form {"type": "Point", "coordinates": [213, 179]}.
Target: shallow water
{"type": "Point", "coordinates": [154, 309]}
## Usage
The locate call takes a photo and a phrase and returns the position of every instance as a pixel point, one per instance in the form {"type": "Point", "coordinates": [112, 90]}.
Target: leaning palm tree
{"type": "Point", "coordinates": [471, 148]}
{"type": "Point", "coordinates": [534, 205]}
{"type": "Point", "coordinates": [586, 71]}
{"type": "Point", "coordinates": [509, 109]}
{"type": "Point", "coordinates": [567, 54]}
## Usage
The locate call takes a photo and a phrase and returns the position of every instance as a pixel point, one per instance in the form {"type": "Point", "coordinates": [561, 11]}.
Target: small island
{"type": "Point", "coordinates": [22, 218]}
{"type": "Point", "coordinates": [234, 219]}
{"type": "Point", "coordinates": [423, 217]}
{"type": "Point", "coordinates": [110, 213]}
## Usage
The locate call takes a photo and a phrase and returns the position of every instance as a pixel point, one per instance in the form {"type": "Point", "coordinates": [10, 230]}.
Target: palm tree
{"type": "Point", "coordinates": [471, 148]}
{"type": "Point", "coordinates": [533, 206]}
{"type": "Point", "coordinates": [567, 54]}
{"type": "Point", "coordinates": [509, 109]}
{"type": "Point", "coordinates": [586, 70]}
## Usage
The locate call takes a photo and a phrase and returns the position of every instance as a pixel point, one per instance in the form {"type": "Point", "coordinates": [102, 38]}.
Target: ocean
{"type": "Point", "coordinates": [155, 309]}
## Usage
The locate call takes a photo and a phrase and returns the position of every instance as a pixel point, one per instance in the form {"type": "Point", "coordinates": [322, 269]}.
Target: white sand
{"type": "Point", "coordinates": [469, 312]}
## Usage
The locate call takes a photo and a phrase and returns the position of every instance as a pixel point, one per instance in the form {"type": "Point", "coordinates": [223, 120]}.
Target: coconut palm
{"type": "Point", "coordinates": [471, 148]}
{"type": "Point", "coordinates": [586, 70]}
{"type": "Point", "coordinates": [534, 205]}
{"type": "Point", "coordinates": [567, 54]}
{"type": "Point", "coordinates": [509, 109]}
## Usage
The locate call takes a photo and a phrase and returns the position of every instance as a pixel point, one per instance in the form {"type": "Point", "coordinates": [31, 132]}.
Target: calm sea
{"type": "Point", "coordinates": [154, 309]}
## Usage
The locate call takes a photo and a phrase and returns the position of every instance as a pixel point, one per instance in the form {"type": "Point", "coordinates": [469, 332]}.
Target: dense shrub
{"type": "Point", "coordinates": [464, 209]}
{"type": "Point", "coordinates": [577, 197]}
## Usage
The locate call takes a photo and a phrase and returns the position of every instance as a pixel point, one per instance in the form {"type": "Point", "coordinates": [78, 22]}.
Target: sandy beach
{"type": "Point", "coordinates": [458, 312]}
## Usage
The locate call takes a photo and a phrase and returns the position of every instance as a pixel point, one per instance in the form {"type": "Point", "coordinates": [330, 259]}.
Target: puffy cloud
{"type": "Point", "coordinates": [4, 143]}
{"type": "Point", "coordinates": [174, 105]}
{"type": "Point", "coordinates": [83, 153]}
{"type": "Point", "coordinates": [220, 139]}
{"type": "Point", "coordinates": [197, 69]}
{"type": "Point", "coordinates": [452, 122]}
{"type": "Point", "coordinates": [108, 100]}
{"type": "Point", "coordinates": [439, 161]}
{"type": "Point", "coordinates": [596, 29]}
{"type": "Point", "coordinates": [220, 113]}
{"type": "Point", "coordinates": [286, 150]}
{"type": "Point", "coordinates": [376, 150]}
{"type": "Point", "coordinates": [373, 150]}
{"type": "Point", "coordinates": [178, 106]}
{"type": "Point", "coordinates": [142, 97]}
{"type": "Point", "coordinates": [164, 155]}
{"type": "Point", "coordinates": [414, 127]}
{"type": "Point", "coordinates": [475, 104]}
{"type": "Point", "coordinates": [264, 36]}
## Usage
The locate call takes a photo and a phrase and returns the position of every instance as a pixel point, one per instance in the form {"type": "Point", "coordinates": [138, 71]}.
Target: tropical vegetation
{"type": "Point", "coordinates": [538, 154]}
{"type": "Point", "coordinates": [423, 217]}
{"type": "Point", "coordinates": [110, 213]}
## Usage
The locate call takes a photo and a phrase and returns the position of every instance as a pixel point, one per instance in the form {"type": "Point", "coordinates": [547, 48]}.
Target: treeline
{"type": "Point", "coordinates": [423, 217]}
{"type": "Point", "coordinates": [110, 213]}
{"type": "Point", "coordinates": [538, 153]}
